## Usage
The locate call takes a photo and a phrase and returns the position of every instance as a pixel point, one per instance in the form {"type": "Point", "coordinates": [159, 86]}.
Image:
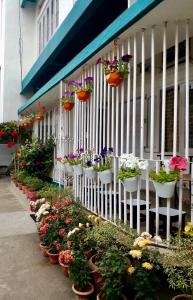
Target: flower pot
{"type": "Point", "coordinates": [68, 106]}
{"type": "Point", "coordinates": [165, 190]}
{"type": "Point", "coordinates": [97, 277]}
{"type": "Point", "coordinates": [182, 297]}
{"type": "Point", "coordinates": [105, 176]}
{"type": "Point", "coordinates": [39, 117]}
{"type": "Point", "coordinates": [78, 170]}
{"type": "Point", "coordinates": [30, 123]}
{"type": "Point", "coordinates": [53, 257]}
{"type": "Point", "coordinates": [25, 124]}
{"type": "Point", "coordinates": [114, 79]}
{"type": "Point", "coordinates": [99, 297]}
{"type": "Point", "coordinates": [65, 269]}
{"type": "Point", "coordinates": [83, 95]}
{"type": "Point", "coordinates": [44, 250]}
{"type": "Point", "coordinates": [83, 295]}
{"type": "Point", "coordinates": [68, 168]}
{"type": "Point", "coordinates": [130, 184]}
{"type": "Point", "coordinates": [90, 173]}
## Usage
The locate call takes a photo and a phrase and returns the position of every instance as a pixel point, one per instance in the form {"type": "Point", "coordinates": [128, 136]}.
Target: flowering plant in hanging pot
{"type": "Point", "coordinates": [76, 160]}
{"type": "Point", "coordinates": [130, 170]}
{"type": "Point", "coordinates": [82, 89]}
{"type": "Point", "coordinates": [115, 70]}
{"type": "Point", "coordinates": [39, 116]}
{"type": "Point", "coordinates": [165, 180]}
{"type": "Point", "coordinates": [103, 165]}
{"type": "Point", "coordinates": [68, 100]}
{"type": "Point", "coordinates": [88, 164]}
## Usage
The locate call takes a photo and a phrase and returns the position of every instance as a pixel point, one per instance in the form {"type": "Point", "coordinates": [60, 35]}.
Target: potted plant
{"type": "Point", "coordinates": [80, 275]}
{"type": "Point", "coordinates": [113, 267]}
{"type": "Point", "coordinates": [88, 165]}
{"type": "Point", "coordinates": [130, 169]}
{"type": "Point", "coordinates": [75, 160]}
{"type": "Point", "coordinates": [82, 89]}
{"type": "Point", "coordinates": [68, 100]}
{"type": "Point", "coordinates": [115, 70]}
{"type": "Point", "coordinates": [65, 259]}
{"type": "Point", "coordinates": [103, 165]}
{"type": "Point", "coordinates": [165, 180]}
{"type": "Point", "coordinates": [39, 116]}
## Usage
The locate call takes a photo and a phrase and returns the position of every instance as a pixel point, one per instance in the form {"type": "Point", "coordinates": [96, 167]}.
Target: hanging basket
{"type": "Point", "coordinates": [68, 106]}
{"type": "Point", "coordinates": [30, 123]}
{"type": "Point", "coordinates": [78, 170]}
{"type": "Point", "coordinates": [39, 117]}
{"type": "Point", "coordinates": [68, 168]}
{"type": "Point", "coordinates": [165, 190]}
{"type": "Point", "coordinates": [130, 184]}
{"type": "Point", "coordinates": [105, 176]}
{"type": "Point", "coordinates": [90, 173]}
{"type": "Point", "coordinates": [25, 124]}
{"type": "Point", "coordinates": [83, 95]}
{"type": "Point", "coordinates": [114, 79]}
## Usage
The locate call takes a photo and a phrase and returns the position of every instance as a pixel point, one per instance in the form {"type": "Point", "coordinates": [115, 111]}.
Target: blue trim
{"type": "Point", "coordinates": [23, 2]}
{"type": "Point", "coordinates": [124, 21]}
{"type": "Point", "coordinates": [68, 23]}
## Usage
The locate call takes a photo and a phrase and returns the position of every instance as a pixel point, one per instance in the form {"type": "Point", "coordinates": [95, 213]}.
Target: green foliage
{"type": "Point", "coordinates": [113, 266]}
{"type": "Point", "coordinates": [105, 165]}
{"type": "Point", "coordinates": [79, 271]}
{"type": "Point", "coordinates": [52, 193]}
{"type": "Point", "coordinates": [162, 176]}
{"type": "Point", "coordinates": [128, 173]}
{"type": "Point", "coordinates": [34, 182]}
{"type": "Point", "coordinates": [21, 176]}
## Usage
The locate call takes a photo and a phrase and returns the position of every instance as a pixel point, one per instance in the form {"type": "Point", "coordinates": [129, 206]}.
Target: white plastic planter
{"type": "Point", "coordinates": [165, 190]}
{"type": "Point", "coordinates": [130, 184]}
{"type": "Point", "coordinates": [68, 168]}
{"type": "Point", "coordinates": [105, 176]}
{"type": "Point", "coordinates": [78, 170]}
{"type": "Point", "coordinates": [90, 173]}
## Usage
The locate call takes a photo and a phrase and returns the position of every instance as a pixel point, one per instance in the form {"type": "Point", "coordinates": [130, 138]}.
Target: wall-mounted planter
{"type": "Point", "coordinates": [105, 176]}
{"type": "Point", "coordinates": [114, 79]}
{"type": "Point", "coordinates": [68, 106]}
{"type": "Point", "coordinates": [165, 190]}
{"type": "Point", "coordinates": [90, 173]}
{"type": "Point", "coordinates": [78, 170]}
{"type": "Point", "coordinates": [83, 95]}
{"type": "Point", "coordinates": [130, 184]}
{"type": "Point", "coordinates": [68, 168]}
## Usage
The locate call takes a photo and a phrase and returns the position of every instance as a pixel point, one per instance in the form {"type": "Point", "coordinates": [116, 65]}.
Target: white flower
{"type": "Point", "coordinates": [137, 240]}
{"type": "Point", "coordinates": [142, 165]}
{"type": "Point", "coordinates": [146, 235]}
{"type": "Point", "coordinates": [166, 165]}
{"type": "Point", "coordinates": [157, 239]}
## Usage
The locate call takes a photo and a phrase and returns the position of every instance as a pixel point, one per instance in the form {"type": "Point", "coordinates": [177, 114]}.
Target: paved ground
{"type": "Point", "coordinates": [24, 273]}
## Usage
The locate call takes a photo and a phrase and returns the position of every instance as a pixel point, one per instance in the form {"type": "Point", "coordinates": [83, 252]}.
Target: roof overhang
{"type": "Point", "coordinates": [23, 2]}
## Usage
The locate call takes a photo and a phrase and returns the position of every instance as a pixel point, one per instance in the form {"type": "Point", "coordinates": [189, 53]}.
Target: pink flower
{"type": "Point", "coordinates": [69, 245]}
{"type": "Point", "coordinates": [67, 202]}
{"type": "Point", "coordinates": [58, 204]}
{"type": "Point", "coordinates": [179, 163]}
{"type": "Point", "coordinates": [58, 247]}
{"type": "Point", "coordinates": [59, 158]}
{"type": "Point", "coordinates": [44, 229]}
{"type": "Point", "coordinates": [65, 257]}
{"type": "Point", "coordinates": [61, 232]}
{"type": "Point", "coordinates": [62, 216]}
{"type": "Point", "coordinates": [69, 221]}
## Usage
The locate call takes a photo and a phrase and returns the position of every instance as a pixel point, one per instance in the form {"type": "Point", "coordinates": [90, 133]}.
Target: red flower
{"type": "Point", "coordinates": [58, 204]}
{"type": "Point", "coordinates": [10, 144]}
{"type": "Point", "coordinates": [67, 202]}
{"type": "Point", "coordinates": [51, 218]}
{"type": "Point", "coordinates": [179, 163]}
{"type": "Point", "coordinates": [59, 158]}
{"type": "Point", "coordinates": [23, 164]}
{"type": "Point", "coordinates": [14, 133]}
{"type": "Point", "coordinates": [57, 246]}
{"type": "Point", "coordinates": [62, 216]}
{"type": "Point", "coordinates": [1, 133]}
{"type": "Point", "coordinates": [44, 229]}
{"type": "Point", "coordinates": [69, 221]}
{"type": "Point", "coordinates": [61, 232]}
{"type": "Point", "coordinates": [65, 257]}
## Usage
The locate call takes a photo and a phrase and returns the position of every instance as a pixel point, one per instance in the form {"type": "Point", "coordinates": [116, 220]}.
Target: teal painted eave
{"type": "Point", "coordinates": [23, 2]}
{"type": "Point", "coordinates": [76, 12]}
{"type": "Point", "coordinates": [124, 21]}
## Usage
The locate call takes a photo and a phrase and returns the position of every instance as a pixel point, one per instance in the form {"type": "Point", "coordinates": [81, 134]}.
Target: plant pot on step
{"type": "Point", "coordinates": [44, 249]}
{"type": "Point", "coordinates": [90, 173]}
{"type": "Point", "coordinates": [83, 295]}
{"type": "Point", "coordinates": [105, 176]}
{"type": "Point", "coordinates": [130, 184]}
{"type": "Point", "coordinates": [83, 95]}
{"type": "Point", "coordinates": [165, 190]}
{"type": "Point", "coordinates": [65, 269]}
{"type": "Point", "coordinates": [78, 170]}
{"type": "Point", "coordinates": [182, 297]}
{"type": "Point", "coordinates": [69, 168]}
{"type": "Point", "coordinates": [53, 257]}
{"type": "Point", "coordinates": [99, 297]}
{"type": "Point", "coordinates": [97, 277]}
{"type": "Point", "coordinates": [68, 105]}
{"type": "Point", "coordinates": [114, 79]}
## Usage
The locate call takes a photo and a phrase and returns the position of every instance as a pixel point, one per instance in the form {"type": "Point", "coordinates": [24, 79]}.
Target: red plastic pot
{"type": "Point", "coordinates": [44, 250]}
{"type": "Point", "coordinates": [114, 79]}
{"type": "Point", "coordinates": [83, 95]}
{"type": "Point", "coordinates": [65, 269]}
{"type": "Point", "coordinates": [68, 106]}
{"type": "Point", "coordinates": [97, 277]}
{"type": "Point", "coordinates": [53, 257]}
{"type": "Point", "coordinates": [39, 117]}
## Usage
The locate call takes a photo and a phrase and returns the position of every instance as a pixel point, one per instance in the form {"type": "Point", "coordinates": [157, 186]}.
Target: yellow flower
{"type": "Point", "coordinates": [80, 225]}
{"type": "Point", "coordinates": [143, 243]}
{"type": "Point", "coordinates": [87, 225]}
{"type": "Point", "coordinates": [147, 266]}
{"type": "Point", "coordinates": [135, 253]}
{"type": "Point", "coordinates": [131, 270]}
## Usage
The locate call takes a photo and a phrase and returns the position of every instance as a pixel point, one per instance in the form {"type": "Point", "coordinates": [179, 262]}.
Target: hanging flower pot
{"type": "Point", "coordinates": [84, 295]}
{"type": "Point", "coordinates": [30, 122]}
{"type": "Point", "coordinates": [90, 173]}
{"type": "Point", "coordinates": [105, 176]}
{"type": "Point", "coordinates": [130, 184]}
{"type": "Point", "coordinates": [165, 190]}
{"type": "Point", "coordinates": [25, 124]}
{"type": "Point", "coordinates": [114, 79]}
{"type": "Point", "coordinates": [83, 95]}
{"type": "Point", "coordinates": [68, 105]}
{"type": "Point", "coordinates": [68, 168]}
{"type": "Point", "coordinates": [39, 117]}
{"type": "Point", "coordinates": [78, 170]}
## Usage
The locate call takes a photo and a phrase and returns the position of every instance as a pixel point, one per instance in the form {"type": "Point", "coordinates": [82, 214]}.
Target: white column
{"type": "Point", "coordinates": [142, 91]}
{"type": "Point", "coordinates": [152, 91]}
{"type": "Point", "coordinates": [134, 90]}
{"type": "Point", "coordinates": [176, 91]}
{"type": "Point", "coordinates": [187, 75]}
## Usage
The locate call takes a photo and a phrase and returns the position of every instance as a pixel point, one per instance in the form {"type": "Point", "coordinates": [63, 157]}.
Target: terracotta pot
{"type": "Point", "coordinates": [65, 269]}
{"type": "Point", "coordinates": [98, 283]}
{"type": "Point", "coordinates": [114, 79]}
{"type": "Point", "coordinates": [30, 123]}
{"type": "Point", "coordinates": [83, 96]}
{"type": "Point", "coordinates": [20, 185]}
{"type": "Point", "coordinates": [44, 250]}
{"type": "Point", "coordinates": [39, 117]}
{"type": "Point", "coordinates": [99, 297]}
{"type": "Point", "coordinates": [68, 106]}
{"type": "Point", "coordinates": [31, 194]}
{"type": "Point", "coordinates": [83, 295]}
{"type": "Point", "coordinates": [53, 257]}
{"type": "Point", "coordinates": [182, 297]}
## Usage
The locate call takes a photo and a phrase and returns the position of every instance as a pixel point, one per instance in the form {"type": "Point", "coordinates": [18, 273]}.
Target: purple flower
{"type": "Point", "coordinates": [111, 149]}
{"type": "Point", "coordinates": [72, 155]}
{"type": "Point", "coordinates": [99, 61]}
{"type": "Point", "coordinates": [97, 159]}
{"type": "Point", "coordinates": [126, 58]}
{"type": "Point", "coordinates": [89, 78]}
{"type": "Point", "coordinates": [89, 163]}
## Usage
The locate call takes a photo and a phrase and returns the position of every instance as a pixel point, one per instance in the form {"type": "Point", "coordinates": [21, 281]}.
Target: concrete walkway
{"type": "Point", "coordinates": [24, 273]}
